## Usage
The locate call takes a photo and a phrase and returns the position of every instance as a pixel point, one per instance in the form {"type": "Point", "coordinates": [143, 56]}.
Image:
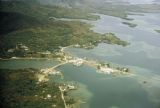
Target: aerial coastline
{"type": "Point", "coordinates": [79, 54]}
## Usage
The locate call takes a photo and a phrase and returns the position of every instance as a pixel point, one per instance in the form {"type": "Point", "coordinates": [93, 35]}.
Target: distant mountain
{"type": "Point", "coordinates": [82, 2]}
{"type": "Point", "coordinates": [157, 1]}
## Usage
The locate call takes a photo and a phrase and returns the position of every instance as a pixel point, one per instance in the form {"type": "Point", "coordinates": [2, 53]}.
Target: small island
{"type": "Point", "coordinates": [129, 19]}
{"type": "Point", "coordinates": [158, 31]}
{"type": "Point", "coordinates": [130, 24]}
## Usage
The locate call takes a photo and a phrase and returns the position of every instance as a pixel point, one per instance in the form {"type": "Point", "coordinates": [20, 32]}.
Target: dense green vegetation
{"type": "Point", "coordinates": [20, 89]}
{"type": "Point", "coordinates": [130, 24]}
{"type": "Point", "coordinates": [30, 25]}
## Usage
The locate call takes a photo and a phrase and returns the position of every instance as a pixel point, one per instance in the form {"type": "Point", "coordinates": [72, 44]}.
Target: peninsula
{"type": "Point", "coordinates": [158, 31]}
{"type": "Point", "coordinates": [130, 24]}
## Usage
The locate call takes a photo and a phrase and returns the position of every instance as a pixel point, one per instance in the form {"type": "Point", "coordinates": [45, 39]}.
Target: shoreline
{"type": "Point", "coordinates": [68, 58]}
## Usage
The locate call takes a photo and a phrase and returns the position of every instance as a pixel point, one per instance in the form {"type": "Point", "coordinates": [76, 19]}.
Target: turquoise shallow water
{"type": "Point", "coordinates": [22, 63]}
{"type": "Point", "coordinates": [108, 91]}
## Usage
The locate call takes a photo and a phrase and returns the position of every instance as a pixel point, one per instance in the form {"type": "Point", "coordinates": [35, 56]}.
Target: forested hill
{"type": "Point", "coordinates": [23, 14]}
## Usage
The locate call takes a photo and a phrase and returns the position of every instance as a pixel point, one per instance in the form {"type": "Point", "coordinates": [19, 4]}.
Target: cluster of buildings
{"type": "Point", "coordinates": [108, 70]}
{"type": "Point", "coordinates": [43, 75]}
{"type": "Point", "coordinates": [69, 59]}
{"type": "Point", "coordinates": [19, 50]}
{"type": "Point", "coordinates": [76, 61]}
{"type": "Point", "coordinates": [67, 87]}
{"type": "Point", "coordinates": [19, 47]}
{"type": "Point", "coordinates": [89, 46]}
{"type": "Point", "coordinates": [50, 71]}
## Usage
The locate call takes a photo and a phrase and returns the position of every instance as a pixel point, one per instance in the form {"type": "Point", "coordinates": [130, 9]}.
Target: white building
{"type": "Point", "coordinates": [106, 70]}
{"type": "Point", "coordinates": [71, 87]}
{"type": "Point", "coordinates": [11, 50]}
{"type": "Point", "coordinates": [76, 61]}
